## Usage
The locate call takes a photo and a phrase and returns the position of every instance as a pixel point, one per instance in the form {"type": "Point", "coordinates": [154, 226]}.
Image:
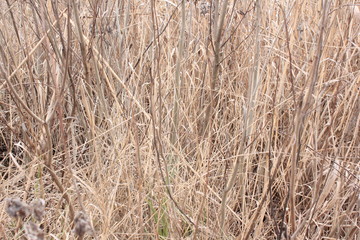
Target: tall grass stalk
{"type": "Point", "coordinates": [177, 81]}
{"type": "Point", "coordinates": [248, 113]}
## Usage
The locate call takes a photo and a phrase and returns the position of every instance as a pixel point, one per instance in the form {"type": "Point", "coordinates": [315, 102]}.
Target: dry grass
{"type": "Point", "coordinates": [160, 119]}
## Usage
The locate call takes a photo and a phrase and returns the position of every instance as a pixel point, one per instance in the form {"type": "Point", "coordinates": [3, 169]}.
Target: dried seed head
{"type": "Point", "coordinates": [204, 7]}
{"type": "Point", "coordinates": [81, 224]}
{"type": "Point", "coordinates": [33, 232]}
{"type": "Point", "coordinates": [16, 208]}
{"type": "Point", "coordinates": [38, 209]}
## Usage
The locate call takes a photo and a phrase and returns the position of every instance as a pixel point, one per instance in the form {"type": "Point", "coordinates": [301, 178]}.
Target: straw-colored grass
{"type": "Point", "coordinates": [164, 119]}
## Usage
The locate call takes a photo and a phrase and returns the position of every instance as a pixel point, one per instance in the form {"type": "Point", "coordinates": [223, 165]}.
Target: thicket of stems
{"type": "Point", "coordinates": [180, 119]}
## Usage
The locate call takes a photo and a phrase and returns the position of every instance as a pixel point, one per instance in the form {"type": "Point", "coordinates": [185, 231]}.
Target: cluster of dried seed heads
{"type": "Point", "coordinates": [20, 210]}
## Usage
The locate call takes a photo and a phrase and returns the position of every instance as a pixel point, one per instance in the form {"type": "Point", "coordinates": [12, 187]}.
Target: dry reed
{"type": "Point", "coordinates": [179, 119]}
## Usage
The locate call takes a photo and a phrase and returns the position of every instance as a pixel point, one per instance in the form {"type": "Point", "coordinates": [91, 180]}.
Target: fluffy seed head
{"type": "Point", "coordinates": [16, 208]}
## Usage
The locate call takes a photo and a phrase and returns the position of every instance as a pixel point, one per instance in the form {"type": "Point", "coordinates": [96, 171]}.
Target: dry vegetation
{"type": "Point", "coordinates": [162, 119]}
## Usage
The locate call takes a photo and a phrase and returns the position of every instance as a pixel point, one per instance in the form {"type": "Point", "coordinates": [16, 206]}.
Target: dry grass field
{"type": "Point", "coordinates": [170, 119]}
